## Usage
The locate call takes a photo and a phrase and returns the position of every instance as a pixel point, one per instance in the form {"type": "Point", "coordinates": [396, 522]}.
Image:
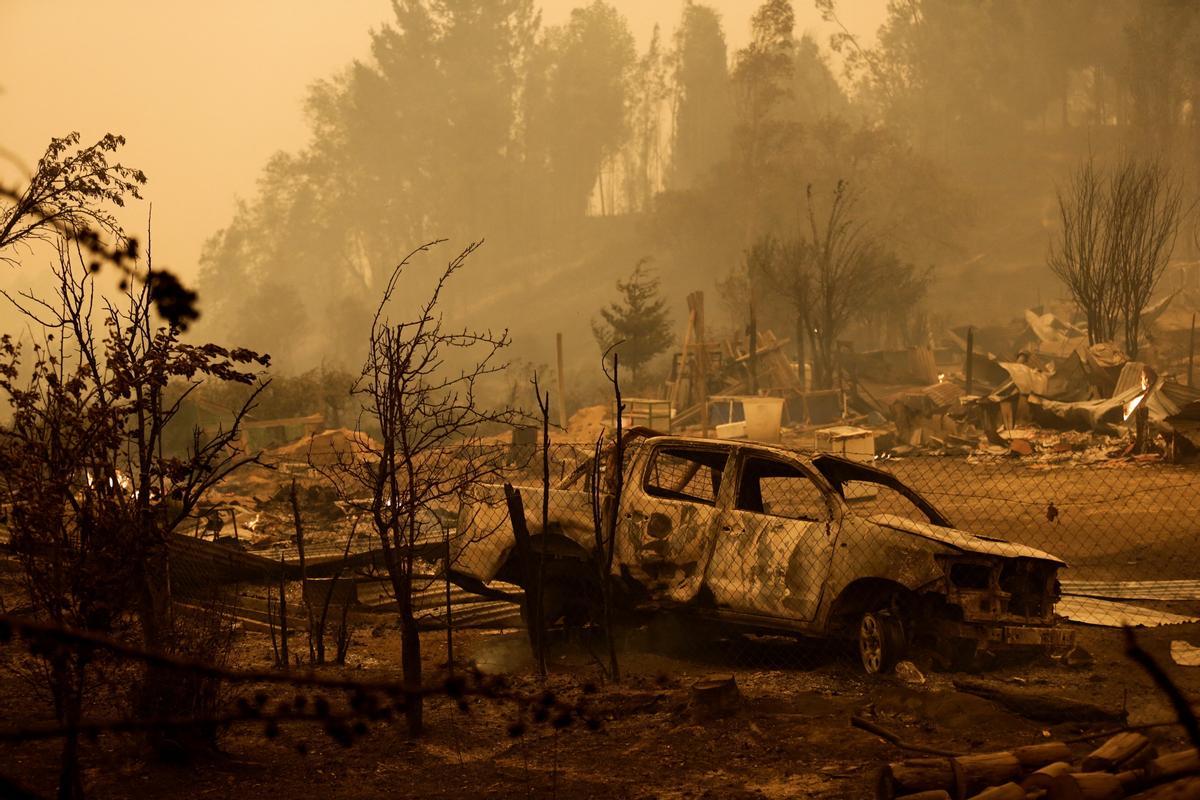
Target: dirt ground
{"type": "Point", "coordinates": [790, 738]}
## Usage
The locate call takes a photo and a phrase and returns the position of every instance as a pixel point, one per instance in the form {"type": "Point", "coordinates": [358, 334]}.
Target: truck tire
{"type": "Point", "coordinates": [880, 641]}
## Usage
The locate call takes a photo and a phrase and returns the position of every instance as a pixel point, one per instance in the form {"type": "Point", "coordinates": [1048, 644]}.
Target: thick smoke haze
{"type": "Point", "coordinates": [599, 398]}
{"type": "Point", "coordinates": [206, 96]}
{"type": "Point", "coordinates": [296, 151]}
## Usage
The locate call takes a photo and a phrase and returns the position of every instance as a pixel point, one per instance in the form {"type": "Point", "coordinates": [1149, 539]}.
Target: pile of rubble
{"type": "Point", "coordinates": [1126, 766]}
{"type": "Point", "coordinates": [1055, 400]}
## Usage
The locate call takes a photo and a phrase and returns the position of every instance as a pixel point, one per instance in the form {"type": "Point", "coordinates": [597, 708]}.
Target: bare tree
{"type": "Point", "coordinates": [846, 261]}
{"type": "Point", "coordinates": [429, 454]}
{"type": "Point", "coordinates": [1118, 232]}
{"type": "Point", "coordinates": [606, 506]}
{"type": "Point", "coordinates": [1144, 213]}
{"type": "Point", "coordinates": [538, 617]}
{"type": "Point", "coordinates": [787, 265]}
{"type": "Point", "coordinates": [1080, 259]}
{"type": "Point", "coordinates": [895, 316]}
{"type": "Point", "coordinates": [759, 260]}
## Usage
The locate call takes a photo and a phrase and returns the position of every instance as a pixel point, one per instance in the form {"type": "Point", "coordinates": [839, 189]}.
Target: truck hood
{"type": "Point", "coordinates": [961, 540]}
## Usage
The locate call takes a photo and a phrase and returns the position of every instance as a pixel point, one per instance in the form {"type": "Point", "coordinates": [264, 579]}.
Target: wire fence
{"type": "Point", "coordinates": [720, 546]}
{"type": "Point", "coordinates": [688, 554]}
{"type": "Point", "coordinates": [964, 559]}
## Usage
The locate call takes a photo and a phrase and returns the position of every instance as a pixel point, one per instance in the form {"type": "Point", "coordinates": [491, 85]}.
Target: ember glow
{"type": "Point", "coordinates": [1133, 404]}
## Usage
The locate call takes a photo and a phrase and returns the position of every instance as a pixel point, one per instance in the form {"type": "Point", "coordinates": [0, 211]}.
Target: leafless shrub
{"type": "Point", "coordinates": [832, 271]}
{"type": "Point", "coordinates": [418, 389]}
{"type": "Point", "coordinates": [1118, 233]}
{"type": "Point", "coordinates": [346, 708]}
{"type": "Point", "coordinates": [94, 500]}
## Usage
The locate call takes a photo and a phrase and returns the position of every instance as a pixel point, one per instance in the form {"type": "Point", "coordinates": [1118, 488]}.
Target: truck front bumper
{"type": "Point", "coordinates": [1003, 636]}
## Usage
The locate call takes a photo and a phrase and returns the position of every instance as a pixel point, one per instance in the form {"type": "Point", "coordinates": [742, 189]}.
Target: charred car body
{"type": "Point", "coordinates": [763, 539]}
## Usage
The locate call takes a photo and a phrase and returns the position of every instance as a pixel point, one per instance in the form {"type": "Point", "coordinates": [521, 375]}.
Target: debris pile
{"type": "Point", "coordinates": [1035, 390]}
{"type": "Point", "coordinates": [1050, 398]}
{"type": "Point", "coordinates": [1127, 765]}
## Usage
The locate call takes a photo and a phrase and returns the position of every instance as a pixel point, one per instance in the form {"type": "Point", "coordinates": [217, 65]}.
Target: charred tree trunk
{"type": "Point", "coordinates": [67, 678]}
{"type": "Point", "coordinates": [401, 568]}
{"type": "Point", "coordinates": [159, 692]}
{"type": "Point", "coordinates": [410, 661]}
{"type": "Point", "coordinates": [534, 616]}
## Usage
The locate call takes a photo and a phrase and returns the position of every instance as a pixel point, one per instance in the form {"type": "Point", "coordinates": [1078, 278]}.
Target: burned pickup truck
{"type": "Point", "coordinates": [773, 541]}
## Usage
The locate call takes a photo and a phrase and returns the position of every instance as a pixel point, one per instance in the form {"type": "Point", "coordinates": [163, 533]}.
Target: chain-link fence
{"type": "Point", "coordinates": [713, 548]}
{"type": "Point", "coordinates": [963, 558]}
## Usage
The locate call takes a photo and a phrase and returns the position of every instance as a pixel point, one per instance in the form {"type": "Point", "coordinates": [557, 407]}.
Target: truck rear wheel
{"type": "Point", "coordinates": [880, 641]}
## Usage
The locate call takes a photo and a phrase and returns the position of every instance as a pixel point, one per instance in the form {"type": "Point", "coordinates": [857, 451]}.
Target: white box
{"type": "Point", "coordinates": [856, 444]}
{"type": "Point", "coordinates": [731, 430]}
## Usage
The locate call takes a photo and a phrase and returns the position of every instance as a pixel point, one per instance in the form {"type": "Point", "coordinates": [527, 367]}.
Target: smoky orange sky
{"type": "Point", "coordinates": [206, 92]}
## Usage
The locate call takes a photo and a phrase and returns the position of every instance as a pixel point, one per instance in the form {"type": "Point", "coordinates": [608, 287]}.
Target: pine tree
{"type": "Point", "coordinates": [703, 110]}
{"type": "Point", "coordinates": [638, 326]}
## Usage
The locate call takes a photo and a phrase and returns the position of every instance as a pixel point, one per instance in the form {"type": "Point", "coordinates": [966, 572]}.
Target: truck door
{"type": "Point", "coordinates": [666, 518]}
{"type": "Point", "coordinates": [774, 542]}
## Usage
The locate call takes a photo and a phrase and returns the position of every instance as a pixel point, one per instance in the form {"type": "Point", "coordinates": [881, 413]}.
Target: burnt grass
{"type": "Point", "coordinates": [790, 737]}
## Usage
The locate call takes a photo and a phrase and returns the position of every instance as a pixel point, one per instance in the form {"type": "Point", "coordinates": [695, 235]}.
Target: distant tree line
{"type": "Point", "coordinates": [470, 118]}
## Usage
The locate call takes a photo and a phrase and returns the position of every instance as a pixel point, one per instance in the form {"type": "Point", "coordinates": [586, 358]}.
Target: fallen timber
{"type": "Point", "coordinates": [1125, 766]}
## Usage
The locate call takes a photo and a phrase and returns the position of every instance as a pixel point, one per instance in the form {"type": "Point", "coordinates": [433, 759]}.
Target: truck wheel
{"type": "Point", "coordinates": [880, 641]}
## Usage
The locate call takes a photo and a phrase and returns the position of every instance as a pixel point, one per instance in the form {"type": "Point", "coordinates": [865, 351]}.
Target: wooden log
{"type": "Point", "coordinates": [936, 794]}
{"type": "Point", "coordinates": [1007, 791]}
{"type": "Point", "coordinates": [1034, 756]}
{"type": "Point", "coordinates": [1042, 778]}
{"type": "Point", "coordinates": [1127, 748]}
{"type": "Point", "coordinates": [975, 772]}
{"type": "Point", "coordinates": [1086, 786]}
{"type": "Point", "coordinates": [562, 382]}
{"type": "Point", "coordinates": [1138, 761]}
{"type": "Point", "coordinates": [1182, 789]}
{"type": "Point", "coordinates": [959, 776]}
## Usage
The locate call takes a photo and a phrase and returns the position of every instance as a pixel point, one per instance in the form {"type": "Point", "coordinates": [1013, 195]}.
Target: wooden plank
{"type": "Point", "coordinates": [696, 301]}
{"type": "Point", "coordinates": [1111, 614]}
{"type": "Point", "coordinates": [562, 382]}
{"type": "Point", "coordinates": [1135, 590]}
{"type": "Point", "coordinates": [683, 359]}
